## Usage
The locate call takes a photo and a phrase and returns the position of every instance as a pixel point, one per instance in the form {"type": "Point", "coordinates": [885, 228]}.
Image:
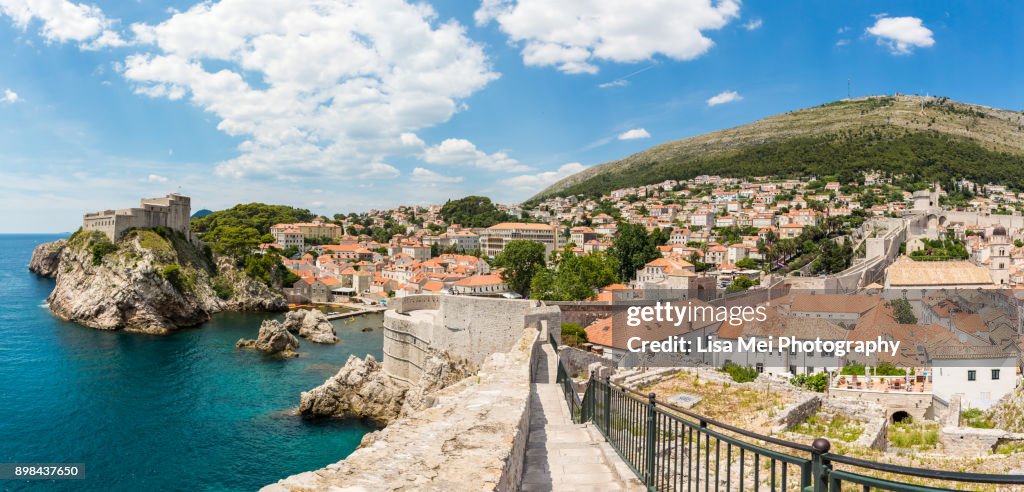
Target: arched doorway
{"type": "Point", "coordinates": [901, 417]}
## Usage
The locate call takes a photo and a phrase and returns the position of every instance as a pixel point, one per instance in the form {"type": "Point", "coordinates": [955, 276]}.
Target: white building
{"type": "Point", "coordinates": [982, 375]}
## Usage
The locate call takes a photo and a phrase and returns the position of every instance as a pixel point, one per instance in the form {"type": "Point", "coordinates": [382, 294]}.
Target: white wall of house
{"type": "Point", "coordinates": [952, 376]}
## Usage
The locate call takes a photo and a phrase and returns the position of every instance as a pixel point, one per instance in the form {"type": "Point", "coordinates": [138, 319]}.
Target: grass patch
{"type": "Point", "coordinates": [914, 435]}
{"type": "Point", "coordinates": [1010, 447]}
{"type": "Point", "coordinates": [974, 417]}
{"type": "Point", "coordinates": [837, 427]}
{"type": "Point", "coordinates": [740, 374]}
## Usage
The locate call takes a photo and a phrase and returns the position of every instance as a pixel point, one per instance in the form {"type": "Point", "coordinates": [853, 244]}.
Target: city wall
{"type": "Point", "coordinates": [465, 328]}
{"type": "Point", "coordinates": [473, 438]}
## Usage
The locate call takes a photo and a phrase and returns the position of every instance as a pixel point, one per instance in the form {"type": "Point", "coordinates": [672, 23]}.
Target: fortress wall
{"type": "Point", "coordinates": [476, 435]}
{"type": "Point", "coordinates": [465, 327]}
{"type": "Point", "coordinates": [406, 345]}
{"type": "Point", "coordinates": [476, 327]}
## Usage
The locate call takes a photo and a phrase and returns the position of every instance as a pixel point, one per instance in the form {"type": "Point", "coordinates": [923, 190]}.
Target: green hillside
{"type": "Point", "coordinates": [932, 138]}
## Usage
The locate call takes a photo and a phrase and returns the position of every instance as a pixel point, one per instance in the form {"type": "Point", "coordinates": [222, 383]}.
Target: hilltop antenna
{"type": "Point", "coordinates": [847, 88]}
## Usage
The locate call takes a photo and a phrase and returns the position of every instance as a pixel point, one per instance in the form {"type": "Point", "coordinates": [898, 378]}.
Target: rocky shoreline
{"type": "Point", "coordinates": [362, 389]}
{"type": "Point", "coordinates": [144, 283]}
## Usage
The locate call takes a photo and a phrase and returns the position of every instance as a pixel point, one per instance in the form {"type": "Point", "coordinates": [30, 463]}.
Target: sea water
{"type": "Point", "coordinates": [142, 412]}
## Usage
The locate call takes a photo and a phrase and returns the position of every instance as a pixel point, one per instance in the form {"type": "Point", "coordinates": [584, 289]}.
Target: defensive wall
{"type": "Point", "coordinates": [473, 438]}
{"type": "Point", "coordinates": [172, 211]}
{"type": "Point", "coordinates": [464, 328]}
{"type": "Point", "coordinates": [881, 247]}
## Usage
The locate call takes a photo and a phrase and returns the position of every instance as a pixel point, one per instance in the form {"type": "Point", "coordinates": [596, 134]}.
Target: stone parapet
{"type": "Point", "coordinates": [473, 438]}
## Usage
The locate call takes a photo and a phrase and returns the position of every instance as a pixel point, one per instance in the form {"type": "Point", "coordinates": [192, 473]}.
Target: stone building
{"type": "Point", "coordinates": [173, 211]}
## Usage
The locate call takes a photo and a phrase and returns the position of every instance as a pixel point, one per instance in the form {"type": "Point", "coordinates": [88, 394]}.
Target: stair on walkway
{"type": "Point", "coordinates": [562, 455]}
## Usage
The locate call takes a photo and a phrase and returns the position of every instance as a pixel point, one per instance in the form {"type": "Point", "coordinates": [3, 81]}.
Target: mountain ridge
{"type": "Point", "coordinates": [938, 129]}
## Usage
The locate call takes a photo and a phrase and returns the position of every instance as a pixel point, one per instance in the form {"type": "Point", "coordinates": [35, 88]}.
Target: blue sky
{"type": "Point", "coordinates": [345, 107]}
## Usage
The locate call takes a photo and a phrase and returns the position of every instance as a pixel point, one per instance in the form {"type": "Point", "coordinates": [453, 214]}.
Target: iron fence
{"type": "Point", "coordinates": [672, 449]}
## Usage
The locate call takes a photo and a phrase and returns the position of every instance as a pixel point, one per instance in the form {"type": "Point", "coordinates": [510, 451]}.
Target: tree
{"type": "Point", "coordinates": [573, 335]}
{"type": "Point", "coordinates": [903, 312]}
{"type": "Point", "coordinates": [234, 241]}
{"type": "Point", "coordinates": [574, 278]}
{"type": "Point", "coordinates": [473, 211]}
{"type": "Point", "coordinates": [520, 260]}
{"type": "Point", "coordinates": [740, 284]}
{"type": "Point", "coordinates": [632, 249]}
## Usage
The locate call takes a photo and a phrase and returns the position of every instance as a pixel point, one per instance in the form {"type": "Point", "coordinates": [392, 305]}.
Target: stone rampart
{"type": "Point", "coordinates": [464, 328]}
{"type": "Point", "coordinates": [474, 437]}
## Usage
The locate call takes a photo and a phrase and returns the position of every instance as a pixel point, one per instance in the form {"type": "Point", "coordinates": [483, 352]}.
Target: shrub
{"type": "Point", "coordinates": [174, 276]}
{"type": "Point", "coordinates": [101, 249]}
{"type": "Point", "coordinates": [222, 288]}
{"type": "Point", "coordinates": [740, 374]}
{"type": "Point", "coordinates": [573, 335]}
{"type": "Point", "coordinates": [814, 382]}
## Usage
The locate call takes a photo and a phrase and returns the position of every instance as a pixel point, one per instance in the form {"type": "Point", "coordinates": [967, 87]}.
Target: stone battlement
{"type": "Point", "coordinates": [172, 211]}
{"type": "Point", "coordinates": [464, 328]}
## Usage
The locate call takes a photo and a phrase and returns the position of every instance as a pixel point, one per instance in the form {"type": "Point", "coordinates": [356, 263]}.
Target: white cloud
{"type": "Point", "coordinates": [533, 183]}
{"type": "Point", "coordinates": [753, 25]}
{"type": "Point", "coordinates": [156, 178]}
{"type": "Point", "coordinates": [9, 97]}
{"type": "Point", "coordinates": [378, 170]}
{"type": "Point", "coordinates": [842, 42]}
{"type": "Point", "coordinates": [634, 134]}
{"type": "Point", "coordinates": [724, 97]}
{"type": "Point", "coordinates": [901, 34]}
{"type": "Point", "coordinates": [457, 151]}
{"type": "Point", "coordinates": [63, 21]}
{"type": "Point", "coordinates": [427, 176]}
{"type": "Point", "coordinates": [574, 35]}
{"type": "Point", "coordinates": [311, 85]}
{"type": "Point", "coordinates": [614, 83]}
{"type": "Point", "coordinates": [411, 140]}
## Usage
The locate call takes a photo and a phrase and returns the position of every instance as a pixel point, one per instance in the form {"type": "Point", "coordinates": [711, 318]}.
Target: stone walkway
{"type": "Point", "coordinates": [561, 455]}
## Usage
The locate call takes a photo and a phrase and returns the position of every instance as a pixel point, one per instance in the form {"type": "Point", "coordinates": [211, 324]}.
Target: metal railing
{"type": "Point", "coordinates": [673, 449]}
{"type": "Point", "coordinates": [569, 388]}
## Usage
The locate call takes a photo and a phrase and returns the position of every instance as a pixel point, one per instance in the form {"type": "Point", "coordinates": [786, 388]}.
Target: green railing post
{"type": "Point", "coordinates": [607, 405]}
{"type": "Point", "coordinates": [652, 422]}
{"type": "Point", "coordinates": [820, 467]}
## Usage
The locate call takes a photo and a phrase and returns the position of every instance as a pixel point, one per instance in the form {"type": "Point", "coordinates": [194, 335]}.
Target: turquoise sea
{"type": "Point", "coordinates": [142, 412]}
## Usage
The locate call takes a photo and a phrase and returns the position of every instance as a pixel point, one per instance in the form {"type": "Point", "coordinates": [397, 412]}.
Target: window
{"type": "Point", "coordinates": [972, 375]}
{"type": "Point", "coordinates": [792, 370]}
{"type": "Point", "coordinates": [995, 374]}
{"type": "Point", "coordinates": [760, 368]}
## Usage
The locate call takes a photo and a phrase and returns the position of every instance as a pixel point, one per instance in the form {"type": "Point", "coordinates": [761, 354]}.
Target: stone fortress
{"type": "Point", "coordinates": [173, 211]}
{"type": "Point", "coordinates": [465, 328]}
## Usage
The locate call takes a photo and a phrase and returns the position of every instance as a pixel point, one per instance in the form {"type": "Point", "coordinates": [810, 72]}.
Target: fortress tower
{"type": "Point", "coordinates": [173, 211]}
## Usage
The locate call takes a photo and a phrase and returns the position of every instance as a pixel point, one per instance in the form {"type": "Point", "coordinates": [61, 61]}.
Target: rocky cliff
{"type": "Point", "coordinates": [146, 282]}
{"type": "Point", "coordinates": [362, 389]}
{"type": "Point", "coordinates": [46, 257]}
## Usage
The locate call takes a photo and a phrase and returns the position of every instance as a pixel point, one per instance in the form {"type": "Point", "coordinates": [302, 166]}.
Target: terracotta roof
{"type": "Point", "coordinates": [600, 332]}
{"type": "Point", "coordinates": [909, 272]}
{"type": "Point", "coordinates": [522, 225]}
{"type": "Point", "coordinates": [833, 303]}
{"type": "Point", "coordinates": [968, 352]}
{"type": "Point", "coordinates": [479, 280]}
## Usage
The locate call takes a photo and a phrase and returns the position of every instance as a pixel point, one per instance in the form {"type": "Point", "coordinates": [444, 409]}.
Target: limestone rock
{"type": "Point", "coordinates": [133, 285]}
{"type": "Point", "coordinates": [312, 325]}
{"type": "Point", "coordinates": [361, 389]}
{"type": "Point", "coordinates": [46, 258]}
{"type": "Point", "coordinates": [1008, 412]}
{"type": "Point", "coordinates": [273, 339]}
